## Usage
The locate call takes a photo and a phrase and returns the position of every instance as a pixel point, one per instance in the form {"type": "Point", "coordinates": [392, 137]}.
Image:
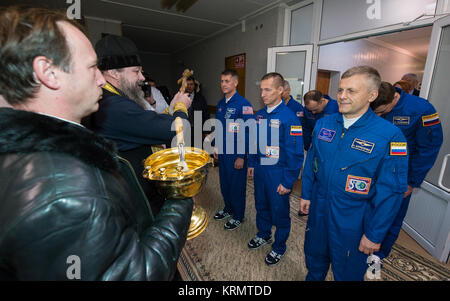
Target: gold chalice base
{"type": "Point", "coordinates": [172, 182]}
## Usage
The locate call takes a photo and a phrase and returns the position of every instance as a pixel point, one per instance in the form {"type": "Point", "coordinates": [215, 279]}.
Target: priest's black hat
{"type": "Point", "coordinates": [115, 52]}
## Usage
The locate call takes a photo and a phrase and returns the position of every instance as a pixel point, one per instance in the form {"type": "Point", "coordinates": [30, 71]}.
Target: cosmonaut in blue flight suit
{"type": "Point", "coordinates": [276, 166]}
{"type": "Point", "coordinates": [291, 103]}
{"type": "Point", "coordinates": [317, 106]}
{"type": "Point", "coordinates": [232, 115]}
{"type": "Point", "coordinates": [353, 183]}
{"type": "Point", "coordinates": [419, 122]}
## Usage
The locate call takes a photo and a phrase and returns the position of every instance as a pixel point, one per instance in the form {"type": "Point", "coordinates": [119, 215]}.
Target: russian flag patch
{"type": "Point", "coordinates": [296, 130]}
{"type": "Point", "coordinates": [399, 149]}
{"type": "Point", "coordinates": [430, 120]}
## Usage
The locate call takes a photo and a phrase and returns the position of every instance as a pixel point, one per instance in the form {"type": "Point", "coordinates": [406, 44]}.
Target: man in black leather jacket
{"type": "Point", "coordinates": [65, 193]}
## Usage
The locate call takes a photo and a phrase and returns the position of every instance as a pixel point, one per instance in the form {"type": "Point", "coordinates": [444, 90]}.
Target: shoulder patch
{"type": "Point", "coordinates": [247, 110]}
{"type": "Point", "coordinates": [399, 149]}
{"type": "Point", "coordinates": [430, 120]}
{"type": "Point", "coordinates": [296, 130]}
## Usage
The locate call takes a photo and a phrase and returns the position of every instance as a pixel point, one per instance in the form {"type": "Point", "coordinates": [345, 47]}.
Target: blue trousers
{"type": "Point", "coordinates": [272, 209]}
{"type": "Point", "coordinates": [233, 185]}
{"type": "Point", "coordinates": [325, 245]}
{"type": "Point", "coordinates": [394, 230]}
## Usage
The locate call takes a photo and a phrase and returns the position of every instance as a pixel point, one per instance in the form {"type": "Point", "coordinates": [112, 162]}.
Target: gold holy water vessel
{"type": "Point", "coordinates": [174, 180]}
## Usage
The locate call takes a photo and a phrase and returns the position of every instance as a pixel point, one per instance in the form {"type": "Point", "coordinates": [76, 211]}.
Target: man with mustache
{"type": "Point", "coordinates": [122, 117]}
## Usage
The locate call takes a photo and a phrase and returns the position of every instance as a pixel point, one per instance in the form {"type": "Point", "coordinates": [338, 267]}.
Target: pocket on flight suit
{"type": "Point", "coordinates": [349, 263]}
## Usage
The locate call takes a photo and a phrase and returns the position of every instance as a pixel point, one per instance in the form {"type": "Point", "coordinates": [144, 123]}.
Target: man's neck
{"type": "Point", "coordinates": [276, 103]}
{"type": "Point", "coordinates": [46, 106]}
{"type": "Point", "coordinates": [229, 95]}
{"type": "Point", "coordinates": [396, 99]}
{"type": "Point", "coordinates": [325, 100]}
{"type": "Point", "coordinates": [355, 115]}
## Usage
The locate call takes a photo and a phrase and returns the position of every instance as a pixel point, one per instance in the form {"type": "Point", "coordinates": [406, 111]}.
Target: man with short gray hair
{"type": "Point", "coordinates": [413, 80]}
{"type": "Point", "coordinates": [353, 181]}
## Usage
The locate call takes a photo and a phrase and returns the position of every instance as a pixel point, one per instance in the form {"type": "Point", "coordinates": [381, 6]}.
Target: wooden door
{"type": "Point", "coordinates": [323, 81]}
{"type": "Point", "coordinates": [237, 62]}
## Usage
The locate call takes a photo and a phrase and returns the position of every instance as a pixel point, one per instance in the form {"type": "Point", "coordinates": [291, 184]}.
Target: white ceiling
{"type": "Point", "coordinates": [159, 30]}
{"type": "Point", "coordinates": [414, 42]}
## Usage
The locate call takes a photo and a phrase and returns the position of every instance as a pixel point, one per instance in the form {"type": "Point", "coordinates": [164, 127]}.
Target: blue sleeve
{"type": "Point", "coordinates": [391, 184]}
{"type": "Point", "coordinates": [293, 146]}
{"type": "Point", "coordinates": [246, 115]}
{"type": "Point", "coordinates": [307, 131]}
{"type": "Point", "coordinates": [429, 138]}
{"type": "Point", "coordinates": [308, 173]}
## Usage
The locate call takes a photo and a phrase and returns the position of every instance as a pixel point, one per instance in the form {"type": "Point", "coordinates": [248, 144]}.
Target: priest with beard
{"type": "Point", "coordinates": [122, 117]}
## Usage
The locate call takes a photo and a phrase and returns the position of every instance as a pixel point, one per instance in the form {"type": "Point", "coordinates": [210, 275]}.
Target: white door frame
{"type": "Point", "coordinates": [272, 56]}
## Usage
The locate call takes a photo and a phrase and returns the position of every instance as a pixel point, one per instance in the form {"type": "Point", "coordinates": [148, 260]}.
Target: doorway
{"type": "Point", "coordinates": [393, 55]}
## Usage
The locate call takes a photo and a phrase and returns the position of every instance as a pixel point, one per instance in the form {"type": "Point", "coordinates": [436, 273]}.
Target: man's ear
{"type": "Point", "coordinates": [373, 95]}
{"type": "Point", "coordinates": [46, 73]}
{"type": "Point", "coordinates": [113, 73]}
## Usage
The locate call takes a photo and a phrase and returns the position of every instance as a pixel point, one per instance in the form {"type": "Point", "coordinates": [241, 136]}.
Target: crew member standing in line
{"type": "Point", "coordinates": [290, 102]}
{"type": "Point", "coordinates": [419, 122]}
{"type": "Point", "coordinates": [317, 105]}
{"type": "Point", "coordinates": [230, 112]}
{"type": "Point", "coordinates": [353, 182]}
{"type": "Point", "coordinates": [275, 167]}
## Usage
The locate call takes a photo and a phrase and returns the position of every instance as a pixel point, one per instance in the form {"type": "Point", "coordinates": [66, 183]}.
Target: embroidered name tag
{"type": "Point", "coordinates": [274, 123]}
{"type": "Point", "coordinates": [233, 127]}
{"type": "Point", "coordinates": [246, 110]}
{"type": "Point", "coordinates": [326, 134]}
{"type": "Point", "coordinates": [362, 145]}
{"type": "Point", "coordinates": [401, 120]}
{"type": "Point", "coordinates": [430, 120]}
{"type": "Point", "coordinates": [272, 151]}
{"type": "Point", "coordinates": [359, 185]}
{"type": "Point", "coordinates": [296, 130]}
{"type": "Point", "coordinates": [398, 149]}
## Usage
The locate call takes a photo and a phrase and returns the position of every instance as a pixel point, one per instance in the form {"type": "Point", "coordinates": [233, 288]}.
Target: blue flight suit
{"type": "Point", "coordinates": [233, 182]}
{"type": "Point", "coordinates": [278, 160]}
{"type": "Point", "coordinates": [310, 119]}
{"type": "Point", "coordinates": [420, 124]}
{"type": "Point", "coordinates": [296, 107]}
{"type": "Point", "coordinates": [355, 179]}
